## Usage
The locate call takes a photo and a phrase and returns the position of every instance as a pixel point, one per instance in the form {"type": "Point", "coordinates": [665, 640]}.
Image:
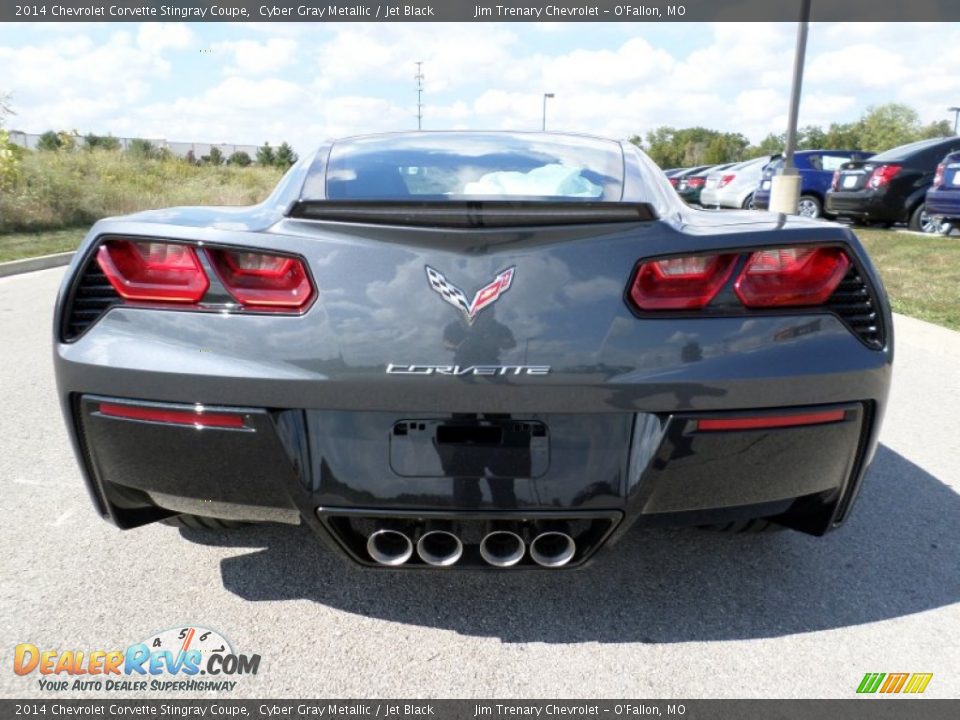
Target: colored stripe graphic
{"type": "Point", "coordinates": [894, 683]}
{"type": "Point", "coordinates": [870, 682]}
{"type": "Point", "coordinates": [918, 682]}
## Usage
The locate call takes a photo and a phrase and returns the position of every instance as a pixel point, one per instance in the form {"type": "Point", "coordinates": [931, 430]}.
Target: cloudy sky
{"type": "Point", "coordinates": [247, 83]}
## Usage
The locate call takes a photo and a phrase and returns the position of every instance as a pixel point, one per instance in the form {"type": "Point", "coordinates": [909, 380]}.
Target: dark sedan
{"type": "Point", "coordinates": [890, 187]}
{"type": "Point", "coordinates": [493, 350]}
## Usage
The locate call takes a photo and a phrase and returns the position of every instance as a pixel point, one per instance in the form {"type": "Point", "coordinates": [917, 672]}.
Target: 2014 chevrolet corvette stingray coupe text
{"type": "Point", "coordinates": [490, 350]}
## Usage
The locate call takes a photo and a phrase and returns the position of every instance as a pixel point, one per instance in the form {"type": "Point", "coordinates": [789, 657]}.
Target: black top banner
{"type": "Point", "coordinates": [475, 10]}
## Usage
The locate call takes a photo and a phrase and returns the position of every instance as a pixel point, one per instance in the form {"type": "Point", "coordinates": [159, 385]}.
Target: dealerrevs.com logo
{"type": "Point", "coordinates": [188, 659]}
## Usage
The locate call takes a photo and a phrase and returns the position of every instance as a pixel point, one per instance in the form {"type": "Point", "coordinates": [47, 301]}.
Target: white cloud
{"type": "Point", "coordinates": [250, 57]}
{"type": "Point", "coordinates": [154, 37]}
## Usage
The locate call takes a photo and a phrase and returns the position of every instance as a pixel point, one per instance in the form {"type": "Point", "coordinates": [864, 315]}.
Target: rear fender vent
{"type": "Point", "coordinates": [853, 301]}
{"type": "Point", "coordinates": [92, 296]}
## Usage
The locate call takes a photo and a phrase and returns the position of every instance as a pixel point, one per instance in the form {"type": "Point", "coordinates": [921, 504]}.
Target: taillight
{"type": "Point", "coordinates": [938, 176]}
{"type": "Point", "coordinates": [726, 180]}
{"type": "Point", "coordinates": [263, 279]}
{"type": "Point", "coordinates": [673, 181]}
{"type": "Point", "coordinates": [696, 182]}
{"type": "Point", "coordinates": [882, 175]}
{"type": "Point", "coordinates": [790, 276]}
{"type": "Point", "coordinates": [155, 271]}
{"type": "Point", "coordinates": [682, 283]}
{"type": "Point", "coordinates": [835, 183]}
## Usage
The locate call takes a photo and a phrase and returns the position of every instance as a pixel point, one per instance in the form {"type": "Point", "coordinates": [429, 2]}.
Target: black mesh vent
{"type": "Point", "coordinates": [92, 296]}
{"type": "Point", "coordinates": [853, 301]}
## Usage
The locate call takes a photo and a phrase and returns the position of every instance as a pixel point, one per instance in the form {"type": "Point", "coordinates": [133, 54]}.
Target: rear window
{"type": "Point", "coordinates": [458, 166]}
{"type": "Point", "coordinates": [905, 152]}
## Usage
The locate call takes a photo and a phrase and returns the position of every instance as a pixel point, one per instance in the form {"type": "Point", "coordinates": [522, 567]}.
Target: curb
{"type": "Point", "coordinates": [15, 267]}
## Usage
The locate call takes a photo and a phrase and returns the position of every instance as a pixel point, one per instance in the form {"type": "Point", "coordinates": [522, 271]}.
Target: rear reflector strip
{"type": "Point", "coordinates": [197, 418]}
{"type": "Point", "coordinates": [769, 421]}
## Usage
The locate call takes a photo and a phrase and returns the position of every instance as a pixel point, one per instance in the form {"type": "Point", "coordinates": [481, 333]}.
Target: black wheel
{"type": "Point", "coordinates": [202, 523]}
{"type": "Point", "coordinates": [752, 527]}
{"type": "Point", "coordinates": [921, 221]}
{"type": "Point", "coordinates": [809, 207]}
{"type": "Point", "coordinates": [748, 203]}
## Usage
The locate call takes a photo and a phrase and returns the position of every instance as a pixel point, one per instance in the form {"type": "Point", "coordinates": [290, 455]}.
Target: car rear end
{"type": "Point", "coordinates": [733, 187]}
{"type": "Point", "coordinates": [479, 383]}
{"type": "Point", "coordinates": [943, 197]}
{"type": "Point", "coordinates": [889, 187]}
{"type": "Point", "coordinates": [761, 196]}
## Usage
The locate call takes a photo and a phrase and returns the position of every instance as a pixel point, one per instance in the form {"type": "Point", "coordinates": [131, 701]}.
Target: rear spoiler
{"type": "Point", "coordinates": [471, 213]}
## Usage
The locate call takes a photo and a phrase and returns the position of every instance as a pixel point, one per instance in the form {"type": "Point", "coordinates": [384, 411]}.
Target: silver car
{"type": "Point", "coordinates": [733, 187]}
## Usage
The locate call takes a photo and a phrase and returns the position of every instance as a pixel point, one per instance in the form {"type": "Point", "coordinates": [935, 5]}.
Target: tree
{"type": "Point", "coordinates": [49, 141]}
{"type": "Point", "coordinates": [265, 155]}
{"type": "Point", "coordinates": [811, 137]}
{"type": "Point", "coordinates": [239, 158]}
{"type": "Point", "coordinates": [191, 157]}
{"type": "Point", "coordinates": [216, 156]}
{"type": "Point", "coordinates": [142, 149]}
{"type": "Point", "coordinates": [844, 136]}
{"type": "Point", "coordinates": [100, 142]}
{"type": "Point", "coordinates": [9, 153]}
{"type": "Point", "coordinates": [887, 126]}
{"type": "Point", "coordinates": [285, 156]}
{"type": "Point", "coordinates": [938, 129]}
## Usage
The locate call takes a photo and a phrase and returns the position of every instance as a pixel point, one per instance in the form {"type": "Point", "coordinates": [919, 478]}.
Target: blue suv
{"type": "Point", "coordinates": [816, 169]}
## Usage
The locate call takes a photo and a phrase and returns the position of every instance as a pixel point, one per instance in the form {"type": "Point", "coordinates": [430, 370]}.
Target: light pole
{"type": "Point", "coordinates": [785, 185]}
{"type": "Point", "coordinates": [956, 116]}
{"type": "Point", "coordinates": [545, 96]}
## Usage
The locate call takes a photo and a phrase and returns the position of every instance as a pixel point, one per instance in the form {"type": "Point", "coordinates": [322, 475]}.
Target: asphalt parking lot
{"type": "Point", "coordinates": [664, 614]}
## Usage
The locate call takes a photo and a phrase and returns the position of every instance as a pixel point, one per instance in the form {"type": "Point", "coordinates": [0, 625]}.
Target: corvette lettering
{"type": "Point", "coordinates": [467, 369]}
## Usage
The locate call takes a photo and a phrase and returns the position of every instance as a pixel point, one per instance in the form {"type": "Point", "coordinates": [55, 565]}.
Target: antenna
{"type": "Point", "coordinates": [419, 78]}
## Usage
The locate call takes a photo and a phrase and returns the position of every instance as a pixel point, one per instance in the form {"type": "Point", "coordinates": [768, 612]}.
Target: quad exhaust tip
{"type": "Point", "coordinates": [389, 547]}
{"type": "Point", "coordinates": [502, 548]}
{"type": "Point", "coordinates": [552, 549]}
{"type": "Point", "coordinates": [439, 548]}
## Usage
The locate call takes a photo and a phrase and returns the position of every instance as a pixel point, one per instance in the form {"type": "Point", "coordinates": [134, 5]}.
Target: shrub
{"type": "Point", "coordinates": [216, 156]}
{"type": "Point", "coordinates": [100, 142]}
{"type": "Point", "coordinates": [239, 158]}
{"type": "Point", "coordinates": [285, 156]}
{"type": "Point", "coordinates": [142, 149]}
{"type": "Point", "coordinates": [49, 141]}
{"type": "Point", "coordinates": [265, 156]}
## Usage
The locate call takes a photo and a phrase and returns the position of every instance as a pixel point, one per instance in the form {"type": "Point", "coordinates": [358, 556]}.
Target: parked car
{"type": "Point", "coordinates": [734, 187]}
{"type": "Point", "coordinates": [690, 186]}
{"type": "Point", "coordinates": [890, 187]}
{"type": "Point", "coordinates": [816, 169]}
{"type": "Point", "coordinates": [678, 177]}
{"type": "Point", "coordinates": [672, 173]}
{"type": "Point", "coordinates": [943, 197]}
{"type": "Point", "coordinates": [464, 349]}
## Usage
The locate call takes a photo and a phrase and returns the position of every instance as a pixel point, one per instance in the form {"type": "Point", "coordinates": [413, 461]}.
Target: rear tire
{"type": "Point", "coordinates": [748, 203]}
{"type": "Point", "coordinates": [198, 522]}
{"type": "Point", "coordinates": [810, 207]}
{"type": "Point", "coordinates": [753, 526]}
{"type": "Point", "coordinates": [920, 221]}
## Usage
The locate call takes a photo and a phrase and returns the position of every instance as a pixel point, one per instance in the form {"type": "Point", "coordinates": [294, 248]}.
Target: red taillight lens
{"type": "Point", "coordinates": [725, 180]}
{"type": "Point", "coordinates": [680, 283]}
{"type": "Point", "coordinates": [149, 270]}
{"type": "Point", "coordinates": [835, 183]}
{"type": "Point", "coordinates": [938, 177]}
{"type": "Point", "coordinates": [791, 276]}
{"type": "Point", "coordinates": [882, 175]}
{"type": "Point", "coordinates": [763, 422]}
{"type": "Point", "coordinates": [673, 181]}
{"type": "Point", "coordinates": [262, 279]}
{"type": "Point", "coordinates": [696, 182]}
{"type": "Point", "coordinates": [198, 418]}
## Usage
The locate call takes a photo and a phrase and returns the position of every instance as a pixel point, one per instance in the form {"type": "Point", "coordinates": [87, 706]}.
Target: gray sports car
{"type": "Point", "coordinates": [462, 349]}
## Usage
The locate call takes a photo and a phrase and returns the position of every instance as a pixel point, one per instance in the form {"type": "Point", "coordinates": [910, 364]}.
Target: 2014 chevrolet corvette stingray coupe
{"type": "Point", "coordinates": [488, 350]}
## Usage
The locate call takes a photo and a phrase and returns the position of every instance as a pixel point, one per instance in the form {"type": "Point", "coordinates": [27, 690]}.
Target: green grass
{"type": "Point", "coordinates": [16, 246]}
{"type": "Point", "coordinates": [921, 273]}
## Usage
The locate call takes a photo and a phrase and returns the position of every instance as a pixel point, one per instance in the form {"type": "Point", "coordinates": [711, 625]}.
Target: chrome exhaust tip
{"type": "Point", "coordinates": [439, 548]}
{"type": "Point", "coordinates": [552, 549]}
{"type": "Point", "coordinates": [502, 548]}
{"type": "Point", "coordinates": [389, 547]}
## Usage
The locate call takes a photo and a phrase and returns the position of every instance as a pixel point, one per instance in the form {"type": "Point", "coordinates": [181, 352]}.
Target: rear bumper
{"type": "Point", "coordinates": [864, 205]}
{"type": "Point", "coordinates": [721, 198]}
{"type": "Point", "coordinates": [345, 472]}
{"type": "Point", "coordinates": [944, 203]}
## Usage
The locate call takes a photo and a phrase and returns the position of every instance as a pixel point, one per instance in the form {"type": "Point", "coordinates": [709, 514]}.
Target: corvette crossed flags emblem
{"type": "Point", "coordinates": [485, 296]}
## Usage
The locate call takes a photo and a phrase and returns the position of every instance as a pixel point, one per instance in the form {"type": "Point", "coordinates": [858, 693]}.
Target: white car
{"type": "Point", "coordinates": [733, 187]}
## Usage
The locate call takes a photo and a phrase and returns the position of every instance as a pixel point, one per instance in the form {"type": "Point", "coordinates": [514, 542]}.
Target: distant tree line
{"type": "Point", "coordinates": [881, 127]}
{"type": "Point", "coordinates": [282, 156]}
